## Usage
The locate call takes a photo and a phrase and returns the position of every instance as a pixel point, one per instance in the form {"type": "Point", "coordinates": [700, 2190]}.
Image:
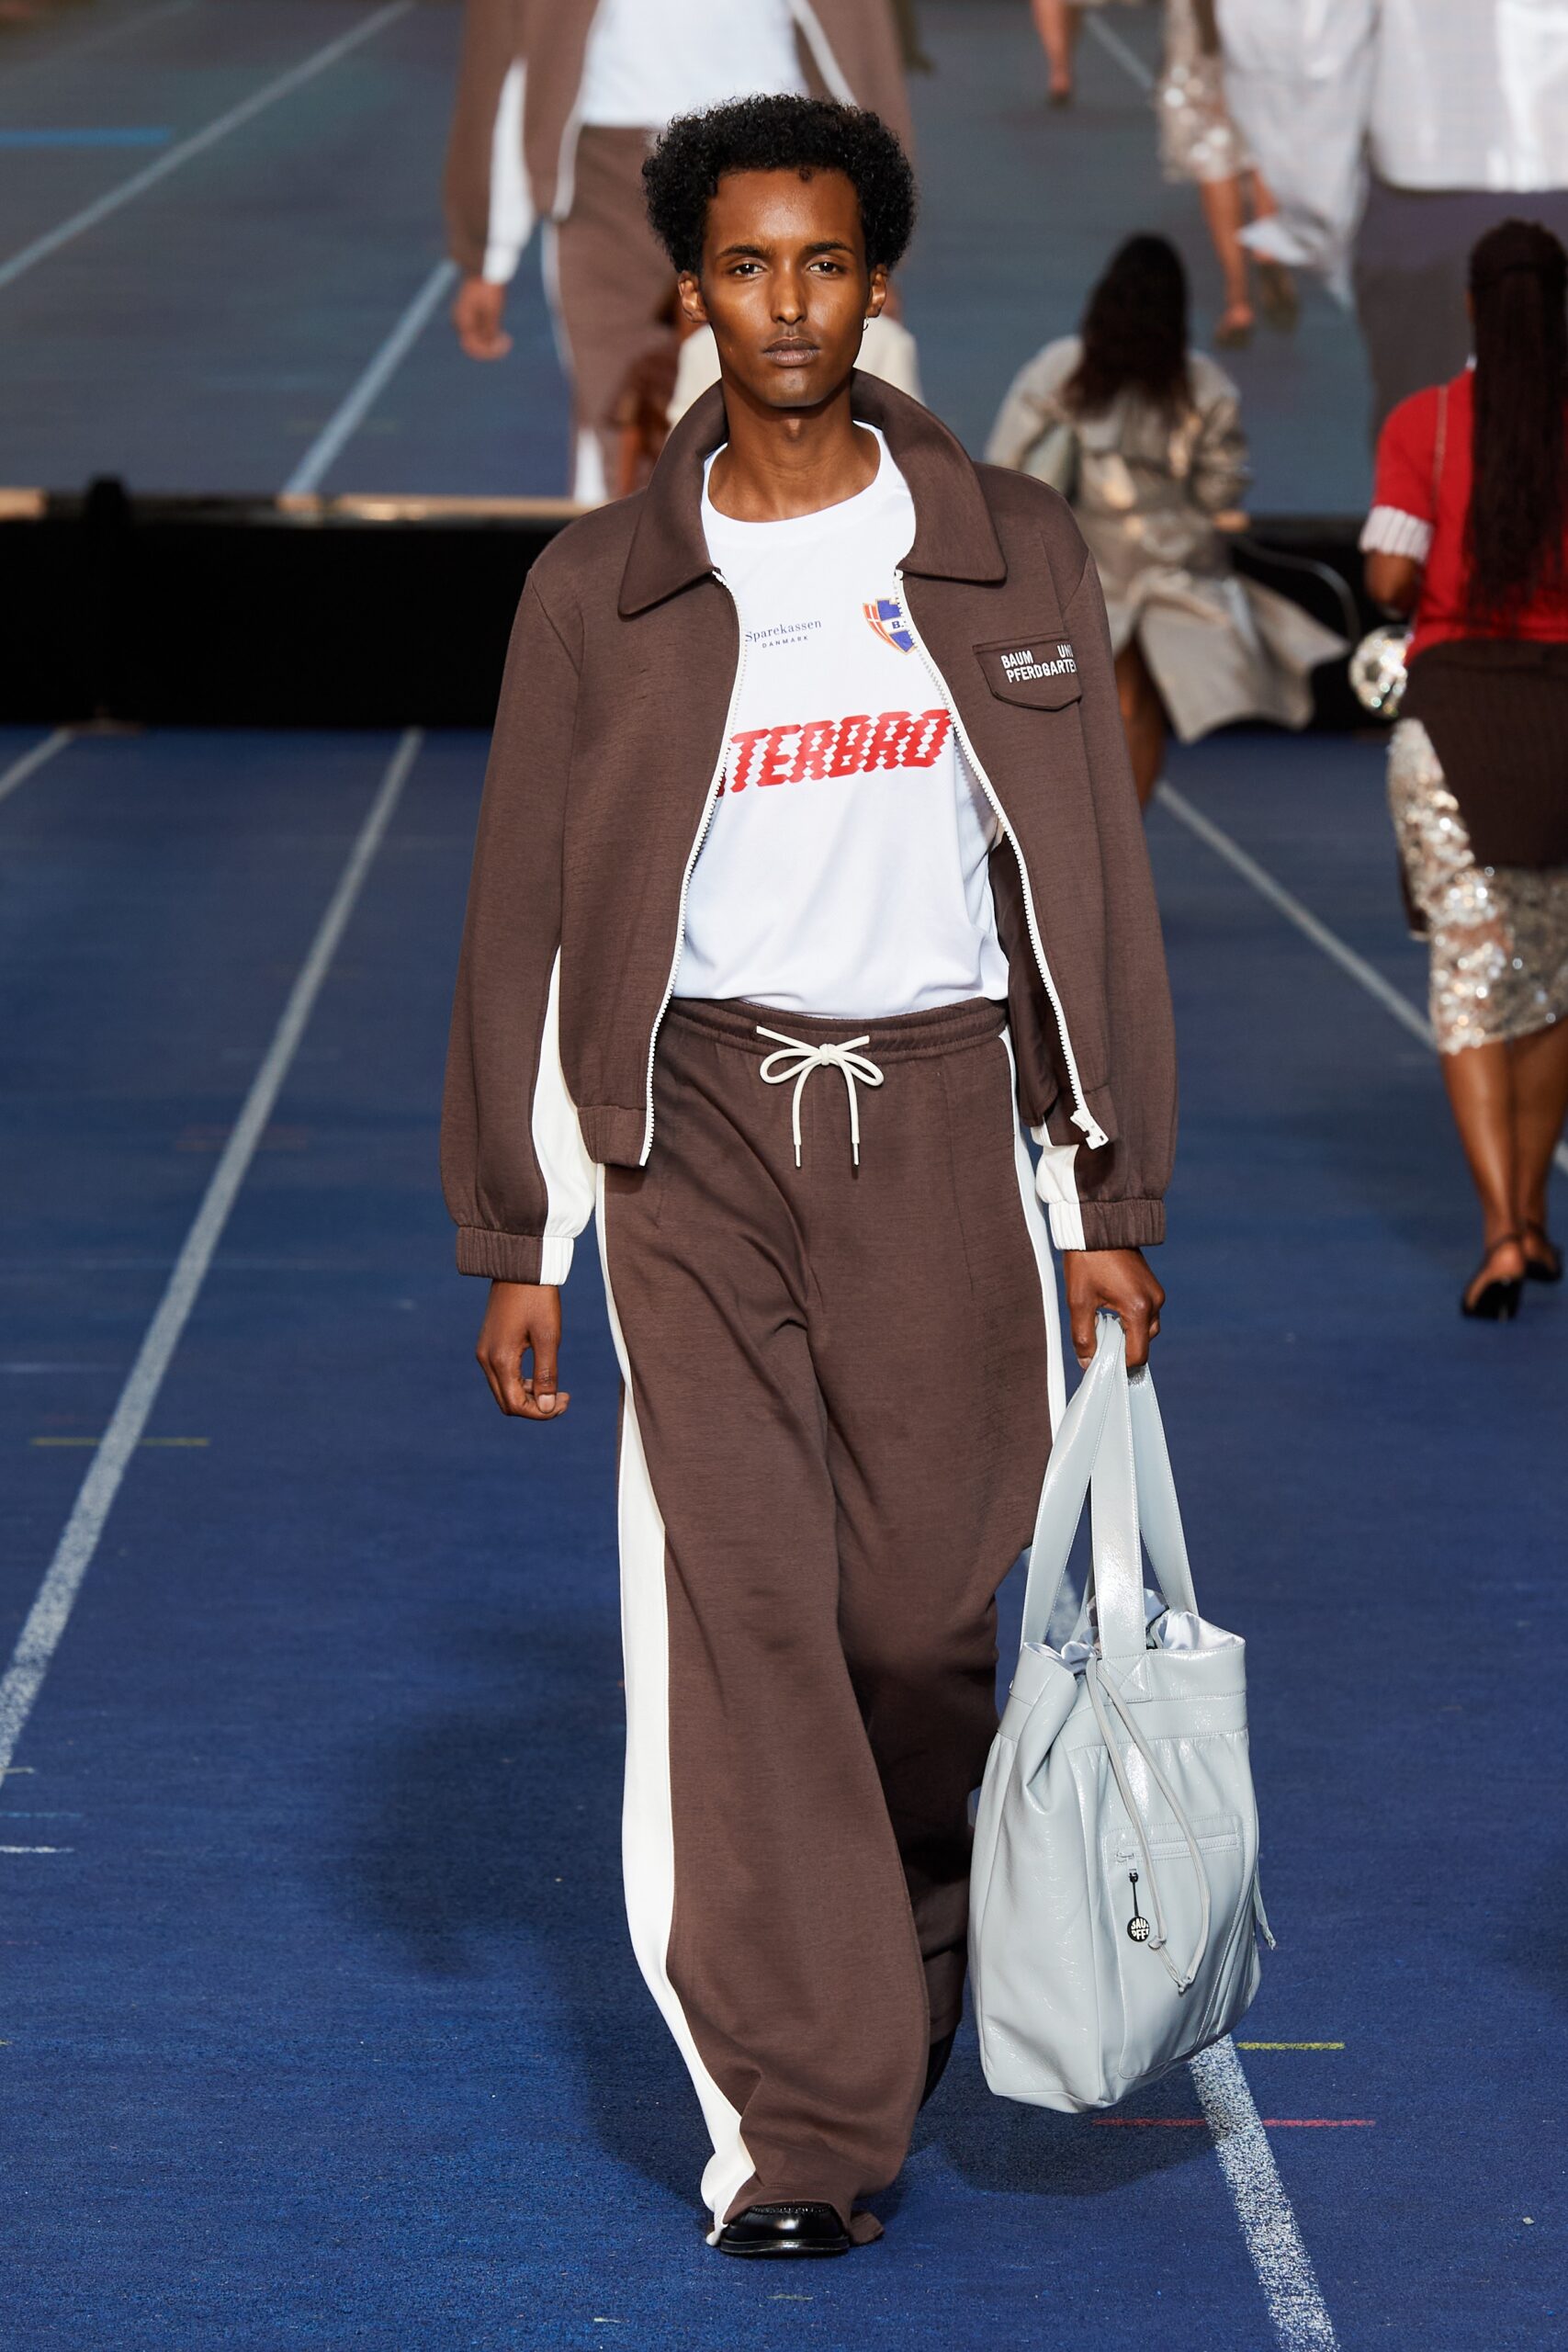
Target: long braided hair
{"type": "Point", "coordinates": [1513, 532]}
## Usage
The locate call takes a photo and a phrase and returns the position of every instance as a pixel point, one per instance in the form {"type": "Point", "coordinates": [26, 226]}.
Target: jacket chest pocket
{"type": "Point", "coordinates": [1040, 673]}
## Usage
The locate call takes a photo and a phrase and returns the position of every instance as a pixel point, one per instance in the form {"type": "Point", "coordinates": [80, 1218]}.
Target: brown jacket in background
{"type": "Point", "coordinates": [608, 748]}
{"type": "Point", "coordinates": [849, 50]}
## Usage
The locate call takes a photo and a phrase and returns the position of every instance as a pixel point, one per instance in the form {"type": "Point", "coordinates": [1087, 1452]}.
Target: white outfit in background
{"type": "Point", "coordinates": [648, 60]}
{"type": "Point", "coordinates": [1433, 94]}
{"type": "Point", "coordinates": [845, 868]}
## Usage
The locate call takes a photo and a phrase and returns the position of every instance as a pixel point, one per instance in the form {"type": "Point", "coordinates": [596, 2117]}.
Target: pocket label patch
{"type": "Point", "coordinates": [1048, 661]}
{"type": "Point", "coordinates": [1037, 672]}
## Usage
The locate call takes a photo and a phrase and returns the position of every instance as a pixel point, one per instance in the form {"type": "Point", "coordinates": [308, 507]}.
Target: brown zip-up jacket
{"type": "Point", "coordinates": [607, 755]}
{"type": "Point", "coordinates": [849, 50]}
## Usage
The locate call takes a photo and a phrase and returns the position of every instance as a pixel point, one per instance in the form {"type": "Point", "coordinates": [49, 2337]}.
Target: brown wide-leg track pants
{"type": "Point", "coordinates": [835, 1423]}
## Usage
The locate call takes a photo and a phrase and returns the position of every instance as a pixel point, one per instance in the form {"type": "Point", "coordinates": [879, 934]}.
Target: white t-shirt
{"type": "Point", "coordinates": [648, 60]}
{"type": "Point", "coordinates": [844, 867]}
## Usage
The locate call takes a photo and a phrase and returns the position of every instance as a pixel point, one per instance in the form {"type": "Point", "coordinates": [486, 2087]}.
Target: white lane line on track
{"type": "Point", "coordinates": [51, 1612]}
{"type": "Point", "coordinates": [1267, 2220]}
{"type": "Point", "coordinates": [70, 50]}
{"type": "Point", "coordinates": [31, 762]}
{"type": "Point", "coordinates": [1114, 46]}
{"type": "Point", "coordinates": [1283, 2265]}
{"type": "Point", "coordinates": [1329, 942]}
{"type": "Point", "coordinates": [199, 141]}
{"type": "Point", "coordinates": [357, 405]}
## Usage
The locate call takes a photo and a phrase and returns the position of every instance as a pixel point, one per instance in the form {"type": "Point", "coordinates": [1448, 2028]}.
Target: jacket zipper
{"type": "Point", "coordinates": [709, 804]}
{"type": "Point", "coordinates": [1083, 1117]}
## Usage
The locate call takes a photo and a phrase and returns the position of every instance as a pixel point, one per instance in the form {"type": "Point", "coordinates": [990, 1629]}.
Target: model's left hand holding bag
{"type": "Point", "coordinates": [1113, 1282]}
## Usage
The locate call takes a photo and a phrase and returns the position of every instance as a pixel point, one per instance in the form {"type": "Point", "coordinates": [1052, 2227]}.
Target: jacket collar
{"type": "Point", "coordinates": [955, 536]}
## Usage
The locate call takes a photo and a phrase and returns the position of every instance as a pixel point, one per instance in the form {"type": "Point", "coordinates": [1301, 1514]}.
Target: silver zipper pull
{"type": "Point", "coordinates": [1137, 1926]}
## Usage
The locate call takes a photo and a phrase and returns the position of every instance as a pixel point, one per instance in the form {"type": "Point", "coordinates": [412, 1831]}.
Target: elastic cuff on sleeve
{"type": "Point", "coordinates": [504, 1257]}
{"type": "Point", "coordinates": [500, 265]}
{"type": "Point", "coordinates": [555, 1259]}
{"type": "Point", "coordinates": [1389, 530]}
{"type": "Point", "coordinates": [1066, 1224]}
{"type": "Point", "coordinates": [1115, 1225]}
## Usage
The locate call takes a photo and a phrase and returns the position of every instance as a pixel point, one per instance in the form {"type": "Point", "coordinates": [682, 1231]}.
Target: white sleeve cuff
{"type": "Point", "coordinates": [1389, 530]}
{"type": "Point", "coordinates": [1066, 1225]}
{"type": "Point", "coordinates": [1055, 1184]}
{"type": "Point", "coordinates": [511, 222]}
{"type": "Point", "coordinates": [555, 1259]}
{"type": "Point", "coordinates": [500, 265]}
{"type": "Point", "coordinates": [568, 1173]}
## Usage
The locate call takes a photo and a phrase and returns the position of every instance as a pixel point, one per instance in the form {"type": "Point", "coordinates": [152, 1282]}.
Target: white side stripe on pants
{"type": "Point", "coordinates": [647, 1829]}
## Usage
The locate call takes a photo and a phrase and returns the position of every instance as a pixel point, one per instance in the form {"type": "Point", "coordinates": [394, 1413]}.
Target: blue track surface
{"type": "Point", "coordinates": [246, 293]}
{"type": "Point", "coordinates": [319, 2027]}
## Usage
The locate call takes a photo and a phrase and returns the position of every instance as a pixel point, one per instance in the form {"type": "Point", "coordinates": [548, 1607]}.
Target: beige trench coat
{"type": "Point", "coordinates": [1147, 490]}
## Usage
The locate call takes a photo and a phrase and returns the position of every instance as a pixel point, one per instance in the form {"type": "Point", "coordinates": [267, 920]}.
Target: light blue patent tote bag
{"type": "Point", "coordinates": [1114, 1889]}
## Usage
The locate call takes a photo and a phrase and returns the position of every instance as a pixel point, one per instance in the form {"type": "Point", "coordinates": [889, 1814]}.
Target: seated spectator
{"type": "Point", "coordinates": [1142, 436]}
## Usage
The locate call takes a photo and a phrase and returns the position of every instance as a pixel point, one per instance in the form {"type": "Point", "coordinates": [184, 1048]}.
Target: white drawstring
{"type": "Point", "coordinates": [798, 1060]}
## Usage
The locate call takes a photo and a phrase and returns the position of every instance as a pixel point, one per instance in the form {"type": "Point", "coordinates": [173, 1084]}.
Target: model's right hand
{"type": "Point", "coordinates": [477, 316]}
{"type": "Point", "coordinates": [523, 1317]}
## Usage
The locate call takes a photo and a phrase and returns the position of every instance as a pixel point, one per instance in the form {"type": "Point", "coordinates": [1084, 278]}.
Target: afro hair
{"type": "Point", "coordinates": [778, 134]}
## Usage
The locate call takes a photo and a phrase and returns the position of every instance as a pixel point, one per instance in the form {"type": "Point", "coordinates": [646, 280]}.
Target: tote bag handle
{"type": "Point", "coordinates": [1110, 1441]}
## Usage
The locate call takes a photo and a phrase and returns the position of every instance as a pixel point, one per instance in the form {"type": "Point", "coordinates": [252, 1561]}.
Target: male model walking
{"type": "Point", "coordinates": [556, 103]}
{"type": "Point", "coordinates": [809, 861]}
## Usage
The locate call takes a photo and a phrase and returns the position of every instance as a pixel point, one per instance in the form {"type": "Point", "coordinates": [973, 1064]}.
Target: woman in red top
{"type": "Point", "coordinates": [1469, 530]}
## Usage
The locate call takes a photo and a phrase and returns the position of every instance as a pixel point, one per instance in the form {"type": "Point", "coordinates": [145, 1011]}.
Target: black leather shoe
{"type": "Point", "coordinates": [784, 2229]}
{"type": "Point", "coordinates": [936, 2065]}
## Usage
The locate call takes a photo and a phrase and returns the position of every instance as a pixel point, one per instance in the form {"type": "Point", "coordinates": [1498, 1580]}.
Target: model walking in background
{"type": "Point", "coordinates": [1392, 134]}
{"type": "Point", "coordinates": [555, 106]}
{"type": "Point", "coordinates": [1198, 142]}
{"type": "Point", "coordinates": [1469, 531]}
{"type": "Point", "coordinates": [1143, 436]}
{"type": "Point", "coordinates": [1059, 23]}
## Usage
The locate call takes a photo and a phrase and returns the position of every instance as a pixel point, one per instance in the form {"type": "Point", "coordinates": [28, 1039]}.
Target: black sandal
{"type": "Point", "coordinates": [1495, 1302]}
{"type": "Point", "coordinates": [1542, 1269]}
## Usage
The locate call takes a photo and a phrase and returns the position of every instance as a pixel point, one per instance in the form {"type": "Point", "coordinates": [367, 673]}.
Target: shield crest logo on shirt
{"type": "Point", "coordinates": [886, 618]}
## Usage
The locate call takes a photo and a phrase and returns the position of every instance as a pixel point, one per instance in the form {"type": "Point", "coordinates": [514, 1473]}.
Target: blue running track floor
{"type": "Point", "coordinates": [318, 2023]}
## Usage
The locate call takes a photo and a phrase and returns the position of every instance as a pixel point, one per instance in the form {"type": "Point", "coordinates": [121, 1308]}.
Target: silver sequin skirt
{"type": "Point", "coordinates": [1498, 934]}
{"type": "Point", "coordinates": [1198, 140]}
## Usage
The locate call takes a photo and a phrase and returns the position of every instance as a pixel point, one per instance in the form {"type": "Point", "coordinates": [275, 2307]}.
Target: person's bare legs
{"type": "Point", "coordinates": [1225, 216]}
{"type": "Point", "coordinates": [1278, 299]}
{"type": "Point", "coordinates": [1057, 22]}
{"type": "Point", "coordinates": [1143, 719]}
{"type": "Point", "coordinates": [1538, 1070]}
{"type": "Point", "coordinates": [1480, 1082]}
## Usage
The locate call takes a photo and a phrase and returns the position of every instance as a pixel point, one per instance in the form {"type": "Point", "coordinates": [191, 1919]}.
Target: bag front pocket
{"type": "Point", "coordinates": [1161, 2025]}
{"type": "Point", "coordinates": [1039, 671]}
